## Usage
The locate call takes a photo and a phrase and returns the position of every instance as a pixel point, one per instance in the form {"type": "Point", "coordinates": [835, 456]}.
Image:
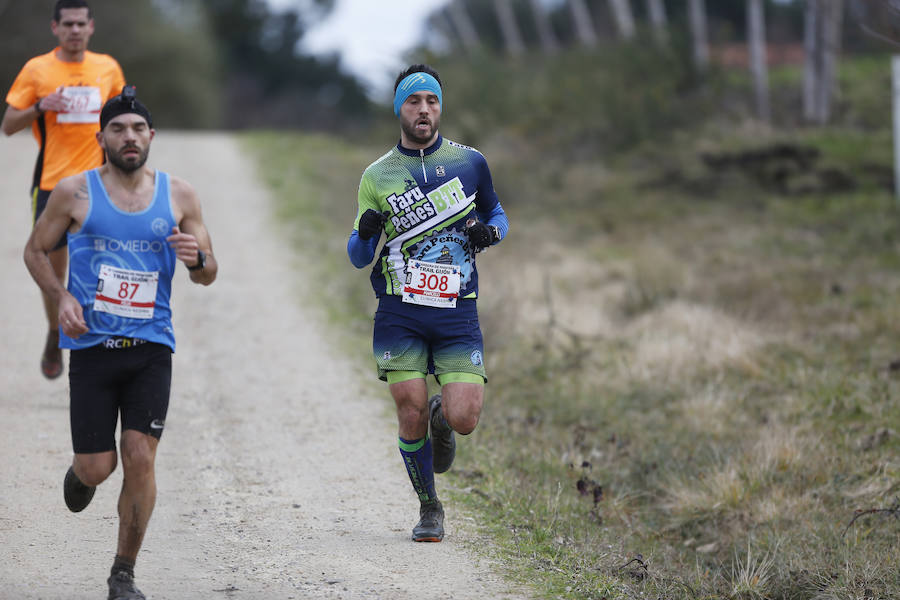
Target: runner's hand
{"type": "Point", "coordinates": [185, 246]}
{"type": "Point", "coordinates": [371, 223]}
{"type": "Point", "coordinates": [55, 102]}
{"type": "Point", "coordinates": [71, 317]}
{"type": "Point", "coordinates": [480, 235]}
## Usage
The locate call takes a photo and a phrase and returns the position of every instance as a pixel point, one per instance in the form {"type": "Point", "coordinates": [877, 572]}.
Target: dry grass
{"type": "Point", "coordinates": [704, 384]}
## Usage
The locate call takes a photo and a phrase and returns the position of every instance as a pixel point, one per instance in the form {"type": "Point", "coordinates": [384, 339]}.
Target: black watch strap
{"type": "Point", "coordinates": [201, 261]}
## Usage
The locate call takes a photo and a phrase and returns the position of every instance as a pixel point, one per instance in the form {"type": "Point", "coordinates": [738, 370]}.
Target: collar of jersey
{"type": "Point", "coordinates": [430, 149]}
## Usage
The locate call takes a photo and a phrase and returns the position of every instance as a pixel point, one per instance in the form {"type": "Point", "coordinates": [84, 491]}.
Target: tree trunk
{"type": "Point", "coordinates": [831, 48]}
{"type": "Point", "coordinates": [756, 39]}
{"type": "Point", "coordinates": [463, 25]}
{"type": "Point", "coordinates": [621, 10]}
{"type": "Point", "coordinates": [549, 43]}
{"type": "Point", "coordinates": [823, 20]}
{"type": "Point", "coordinates": [658, 22]}
{"type": "Point", "coordinates": [811, 17]}
{"type": "Point", "coordinates": [581, 19]}
{"type": "Point", "coordinates": [512, 39]}
{"type": "Point", "coordinates": [697, 10]}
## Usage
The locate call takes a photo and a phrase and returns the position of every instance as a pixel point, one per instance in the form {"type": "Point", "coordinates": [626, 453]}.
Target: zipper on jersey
{"type": "Point", "coordinates": [422, 155]}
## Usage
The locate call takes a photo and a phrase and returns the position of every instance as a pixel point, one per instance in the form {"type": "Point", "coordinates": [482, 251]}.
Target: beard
{"type": "Point", "coordinates": [417, 136]}
{"type": "Point", "coordinates": [129, 165]}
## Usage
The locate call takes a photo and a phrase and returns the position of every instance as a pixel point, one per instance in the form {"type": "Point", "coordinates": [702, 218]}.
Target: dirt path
{"type": "Point", "coordinates": [278, 476]}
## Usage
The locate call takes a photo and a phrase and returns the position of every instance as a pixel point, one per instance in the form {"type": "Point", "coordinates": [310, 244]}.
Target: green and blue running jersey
{"type": "Point", "coordinates": [428, 196]}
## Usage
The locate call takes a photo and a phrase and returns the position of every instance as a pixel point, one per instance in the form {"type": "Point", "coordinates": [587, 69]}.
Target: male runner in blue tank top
{"type": "Point", "coordinates": [436, 203]}
{"type": "Point", "coordinates": [127, 226]}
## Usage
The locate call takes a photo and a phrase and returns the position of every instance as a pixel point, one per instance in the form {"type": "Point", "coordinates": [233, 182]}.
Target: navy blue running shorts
{"type": "Point", "coordinates": [410, 337]}
{"type": "Point", "coordinates": [39, 199]}
{"type": "Point", "coordinates": [103, 382]}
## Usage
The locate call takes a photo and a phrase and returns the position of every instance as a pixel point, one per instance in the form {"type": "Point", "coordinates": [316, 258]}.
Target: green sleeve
{"type": "Point", "coordinates": [367, 198]}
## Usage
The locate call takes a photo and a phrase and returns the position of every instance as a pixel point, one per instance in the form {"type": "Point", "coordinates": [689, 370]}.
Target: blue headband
{"type": "Point", "coordinates": [416, 82]}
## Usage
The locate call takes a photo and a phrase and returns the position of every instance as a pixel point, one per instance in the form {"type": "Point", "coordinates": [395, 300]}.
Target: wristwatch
{"type": "Point", "coordinates": [37, 107]}
{"type": "Point", "coordinates": [495, 234]}
{"type": "Point", "coordinates": [201, 261]}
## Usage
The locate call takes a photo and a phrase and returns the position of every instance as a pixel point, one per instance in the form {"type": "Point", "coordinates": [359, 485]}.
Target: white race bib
{"type": "Point", "coordinates": [83, 105]}
{"type": "Point", "coordinates": [431, 284]}
{"type": "Point", "coordinates": [126, 293]}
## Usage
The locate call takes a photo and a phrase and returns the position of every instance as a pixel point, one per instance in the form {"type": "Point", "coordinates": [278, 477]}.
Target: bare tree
{"type": "Point", "coordinates": [756, 40]}
{"type": "Point", "coordinates": [508, 27]}
{"type": "Point", "coordinates": [697, 16]}
{"type": "Point", "coordinates": [581, 19]}
{"type": "Point", "coordinates": [549, 43]}
{"type": "Point", "coordinates": [462, 23]}
{"type": "Point", "coordinates": [621, 10]}
{"type": "Point", "coordinates": [658, 22]}
{"type": "Point", "coordinates": [823, 20]}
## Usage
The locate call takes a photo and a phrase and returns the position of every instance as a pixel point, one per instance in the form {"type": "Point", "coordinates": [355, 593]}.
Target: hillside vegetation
{"type": "Point", "coordinates": [692, 329]}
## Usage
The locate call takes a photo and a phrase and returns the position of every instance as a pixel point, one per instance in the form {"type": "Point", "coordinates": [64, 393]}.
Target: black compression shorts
{"type": "Point", "coordinates": [39, 199]}
{"type": "Point", "coordinates": [134, 380]}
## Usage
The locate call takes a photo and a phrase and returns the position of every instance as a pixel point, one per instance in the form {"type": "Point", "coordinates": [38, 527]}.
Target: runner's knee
{"type": "Point", "coordinates": [138, 453]}
{"type": "Point", "coordinates": [93, 469]}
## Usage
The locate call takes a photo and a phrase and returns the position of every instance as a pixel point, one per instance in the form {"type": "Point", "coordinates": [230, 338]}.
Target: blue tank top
{"type": "Point", "coordinates": [121, 268]}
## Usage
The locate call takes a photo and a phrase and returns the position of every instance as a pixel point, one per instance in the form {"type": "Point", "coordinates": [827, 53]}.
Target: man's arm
{"type": "Point", "coordinates": [17, 119]}
{"type": "Point", "coordinates": [52, 225]}
{"type": "Point", "coordinates": [191, 235]}
{"type": "Point", "coordinates": [367, 228]}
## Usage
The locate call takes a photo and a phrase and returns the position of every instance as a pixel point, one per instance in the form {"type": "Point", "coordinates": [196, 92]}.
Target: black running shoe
{"type": "Point", "coordinates": [443, 443]}
{"type": "Point", "coordinates": [121, 587]}
{"type": "Point", "coordinates": [77, 495]}
{"type": "Point", "coordinates": [431, 523]}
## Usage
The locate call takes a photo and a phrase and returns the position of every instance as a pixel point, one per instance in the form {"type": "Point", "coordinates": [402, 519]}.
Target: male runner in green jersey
{"type": "Point", "coordinates": [436, 203]}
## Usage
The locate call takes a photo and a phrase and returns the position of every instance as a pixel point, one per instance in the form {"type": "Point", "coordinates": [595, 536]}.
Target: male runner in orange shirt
{"type": "Point", "coordinates": [60, 94]}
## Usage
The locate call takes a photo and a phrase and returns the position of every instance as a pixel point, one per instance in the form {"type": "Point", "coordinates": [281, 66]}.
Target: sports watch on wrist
{"type": "Point", "coordinates": [495, 234]}
{"type": "Point", "coordinates": [201, 261]}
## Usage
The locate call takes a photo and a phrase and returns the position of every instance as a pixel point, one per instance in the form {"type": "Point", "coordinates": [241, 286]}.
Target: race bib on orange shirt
{"type": "Point", "coordinates": [83, 104]}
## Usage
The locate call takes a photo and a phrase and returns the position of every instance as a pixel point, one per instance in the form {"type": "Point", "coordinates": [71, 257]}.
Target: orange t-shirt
{"type": "Point", "coordinates": [67, 139]}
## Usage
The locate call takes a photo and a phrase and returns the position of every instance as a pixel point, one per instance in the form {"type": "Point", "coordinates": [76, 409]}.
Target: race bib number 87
{"type": "Point", "coordinates": [126, 293]}
{"type": "Point", "coordinates": [431, 284]}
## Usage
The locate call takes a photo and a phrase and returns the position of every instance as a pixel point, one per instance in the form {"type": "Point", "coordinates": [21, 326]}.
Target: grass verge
{"type": "Point", "coordinates": [694, 371]}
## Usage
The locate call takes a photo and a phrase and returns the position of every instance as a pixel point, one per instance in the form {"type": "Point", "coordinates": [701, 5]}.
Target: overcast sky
{"type": "Point", "coordinates": [370, 36]}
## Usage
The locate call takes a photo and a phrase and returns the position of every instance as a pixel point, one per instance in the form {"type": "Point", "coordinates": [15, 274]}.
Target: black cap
{"type": "Point", "coordinates": [124, 103]}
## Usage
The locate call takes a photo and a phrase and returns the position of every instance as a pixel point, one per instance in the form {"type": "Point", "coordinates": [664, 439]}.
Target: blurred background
{"type": "Point", "coordinates": [322, 64]}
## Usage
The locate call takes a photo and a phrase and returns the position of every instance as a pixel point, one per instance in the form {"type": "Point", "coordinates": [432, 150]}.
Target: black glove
{"type": "Point", "coordinates": [371, 223]}
{"type": "Point", "coordinates": [480, 235]}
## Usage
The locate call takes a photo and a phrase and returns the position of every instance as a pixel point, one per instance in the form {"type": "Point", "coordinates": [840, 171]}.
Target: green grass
{"type": "Point", "coordinates": [693, 377]}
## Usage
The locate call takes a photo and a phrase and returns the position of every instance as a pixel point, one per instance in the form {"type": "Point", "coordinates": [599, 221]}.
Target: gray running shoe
{"type": "Point", "coordinates": [431, 523]}
{"type": "Point", "coordinates": [76, 494]}
{"type": "Point", "coordinates": [121, 587]}
{"type": "Point", "coordinates": [443, 442]}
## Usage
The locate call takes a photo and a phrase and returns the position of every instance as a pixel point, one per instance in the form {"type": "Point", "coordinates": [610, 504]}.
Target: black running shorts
{"type": "Point", "coordinates": [106, 381]}
{"type": "Point", "coordinates": [39, 199]}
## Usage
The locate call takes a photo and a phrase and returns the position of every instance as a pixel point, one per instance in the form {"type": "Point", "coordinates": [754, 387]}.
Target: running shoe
{"type": "Point", "coordinates": [51, 359]}
{"type": "Point", "coordinates": [121, 587]}
{"type": "Point", "coordinates": [443, 442]}
{"type": "Point", "coordinates": [77, 495]}
{"type": "Point", "coordinates": [431, 523]}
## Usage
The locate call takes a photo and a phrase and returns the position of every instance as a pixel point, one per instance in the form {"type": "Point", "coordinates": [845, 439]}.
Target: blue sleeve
{"type": "Point", "coordinates": [497, 218]}
{"type": "Point", "coordinates": [487, 205]}
{"type": "Point", "coordinates": [361, 251]}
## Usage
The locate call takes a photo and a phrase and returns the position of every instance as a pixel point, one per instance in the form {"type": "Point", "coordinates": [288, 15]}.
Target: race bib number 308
{"type": "Point", "coordinates": [126, 293]}
{"type": "Point", "coordinates": [431, 284]}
